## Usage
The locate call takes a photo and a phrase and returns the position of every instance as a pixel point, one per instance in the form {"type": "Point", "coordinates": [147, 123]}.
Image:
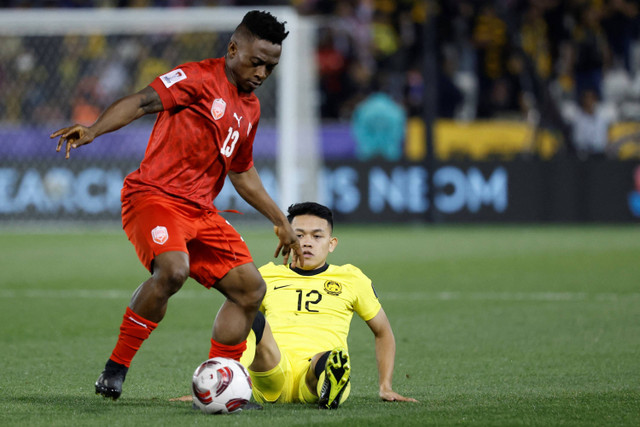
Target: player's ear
{"type": "Point", "coordinates": [333, 242]}
{"type": "Point", "coordinates": [232, 49]}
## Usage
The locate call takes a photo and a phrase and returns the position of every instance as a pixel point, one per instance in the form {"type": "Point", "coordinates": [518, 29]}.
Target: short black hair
{"type": "Point", "coordinates": [264, 25]}
{"type": "Point", "coordinates": [310, 208]}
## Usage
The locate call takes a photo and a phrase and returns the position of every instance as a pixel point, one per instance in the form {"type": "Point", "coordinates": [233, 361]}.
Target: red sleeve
{"type": "Point", "coordinates": [181, 86]}
{"type": "Point", "coordinates": [243, 160]}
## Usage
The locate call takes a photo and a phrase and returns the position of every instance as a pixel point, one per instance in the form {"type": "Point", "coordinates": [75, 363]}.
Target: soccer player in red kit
{"type": "Point", "coordinates": [208, 116]}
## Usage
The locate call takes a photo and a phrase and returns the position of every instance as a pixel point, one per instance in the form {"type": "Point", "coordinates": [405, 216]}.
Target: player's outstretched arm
{"type": "Point", "coordinates": [385, 357]}
{"type": "Point", "coordinates": [120, 113]}
{"type": "Point", "coordinates": [249, 185]}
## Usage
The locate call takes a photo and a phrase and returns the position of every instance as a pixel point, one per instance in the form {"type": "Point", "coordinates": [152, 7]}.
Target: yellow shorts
{"type": "Point", "coordinates": [285, 383]}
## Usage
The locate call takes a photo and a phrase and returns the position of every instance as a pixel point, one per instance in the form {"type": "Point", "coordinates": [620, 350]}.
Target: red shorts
{"type": "Point", "coordinates": [157, 224]}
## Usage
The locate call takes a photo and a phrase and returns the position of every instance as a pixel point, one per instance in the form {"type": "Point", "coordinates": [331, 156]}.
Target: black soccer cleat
{"type": "Point", "coordinates": [337, 371]}
{"type": "Point", "coordinates": [252, 406]}
{"type": "Point", "coordinates": [109, 383]}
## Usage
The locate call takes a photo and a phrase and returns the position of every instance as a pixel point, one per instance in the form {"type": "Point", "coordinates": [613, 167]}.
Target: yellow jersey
{"type": "Point", "coordinates": [310, 311]}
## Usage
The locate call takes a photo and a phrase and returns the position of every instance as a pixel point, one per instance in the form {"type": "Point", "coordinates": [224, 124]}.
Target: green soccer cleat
{"type": "Point", "coordinates": [336, 379]}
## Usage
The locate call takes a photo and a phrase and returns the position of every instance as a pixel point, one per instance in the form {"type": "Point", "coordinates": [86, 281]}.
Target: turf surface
{"type": "Point", "coordinates": [494, 326]}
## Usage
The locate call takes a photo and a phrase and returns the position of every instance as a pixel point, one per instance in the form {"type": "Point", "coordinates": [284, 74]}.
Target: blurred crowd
{"type": "Point", "coordinates": [74, 77]}
{"type": "Point", "coordinates": [494, 58]}
{"type": "Point", "coordinates": [568, 66]}
{"type": "Point", "coordinates": [543, 60]}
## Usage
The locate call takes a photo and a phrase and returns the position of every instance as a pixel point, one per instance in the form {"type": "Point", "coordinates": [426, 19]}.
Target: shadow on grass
{"type": "Point", "coordinates": [90, 403]}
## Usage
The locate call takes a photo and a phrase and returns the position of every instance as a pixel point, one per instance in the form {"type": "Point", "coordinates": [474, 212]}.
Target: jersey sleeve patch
{"type": "Point", "coordinates": [173, 77]}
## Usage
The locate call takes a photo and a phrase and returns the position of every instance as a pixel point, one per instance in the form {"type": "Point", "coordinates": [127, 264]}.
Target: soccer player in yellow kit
{"type": "Point", "coordinates": [297, 350]}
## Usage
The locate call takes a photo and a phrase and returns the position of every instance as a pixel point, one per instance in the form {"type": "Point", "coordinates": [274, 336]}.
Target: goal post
{"type": "Point", "coordinates": [289, 98]}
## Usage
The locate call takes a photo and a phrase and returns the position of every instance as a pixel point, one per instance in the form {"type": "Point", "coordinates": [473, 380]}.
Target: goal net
{"type": "Point", "coordinates": [59, 67]}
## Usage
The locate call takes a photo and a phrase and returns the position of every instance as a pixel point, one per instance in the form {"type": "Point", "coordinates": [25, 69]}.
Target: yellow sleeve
{"type": "Point", "coordinates": [366, 303]}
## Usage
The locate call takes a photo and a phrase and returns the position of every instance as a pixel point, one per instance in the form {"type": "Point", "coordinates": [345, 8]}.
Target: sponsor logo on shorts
{"type": "Point", "coordinates": [160, 235]}
{"type": "Point", "coordinates": [218, 107]}
{"type": "Point", "coordinates": [172, 77]}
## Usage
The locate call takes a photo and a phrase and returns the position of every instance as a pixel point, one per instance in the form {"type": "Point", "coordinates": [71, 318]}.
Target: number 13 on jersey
{"type": "Point", "coordinates": [230, 142]}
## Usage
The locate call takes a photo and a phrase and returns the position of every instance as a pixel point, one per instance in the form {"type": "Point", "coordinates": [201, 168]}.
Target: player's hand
{"type": "Point", "coordinates": [289, 246]}
{"type": "Point", "coordinates": [392, 396]}
{"type": "Point", "coordinates": [73, 137]}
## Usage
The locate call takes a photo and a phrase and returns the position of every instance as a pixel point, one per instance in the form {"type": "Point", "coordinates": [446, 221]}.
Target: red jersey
{"type": "Point", "coordinates": [206, 130]}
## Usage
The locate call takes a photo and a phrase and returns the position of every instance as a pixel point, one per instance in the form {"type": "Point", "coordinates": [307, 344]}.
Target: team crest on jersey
{"type": "Point", "coordinates": [332, 288]}
{"type": "Point", "coordinates": [217, 108]}
{"type": "Point", "coordinates": [160, 235]}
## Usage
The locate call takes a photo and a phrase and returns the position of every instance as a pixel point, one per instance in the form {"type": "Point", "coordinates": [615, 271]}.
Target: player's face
{"type": "Point", "coordinates": [250, 61]}
{"type": "Point", "coordinates": [315, 238]}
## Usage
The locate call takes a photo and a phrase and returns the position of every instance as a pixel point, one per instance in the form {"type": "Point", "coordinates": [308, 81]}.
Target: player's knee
{"type": "Point", "coordinates": [176, 278]}
{"type": "Point", "coordinates": [260, 292]}
{"type": "Point", "coordinates": [251, 296]}
{"type": "Point", "coordinates": [244, 286]}
{"type": "Point", "coordinates": [171, 270]}
{"type": "Point", "coordinates": [172, 276]}
{"type": "Point", "coordinates": [254, 296]}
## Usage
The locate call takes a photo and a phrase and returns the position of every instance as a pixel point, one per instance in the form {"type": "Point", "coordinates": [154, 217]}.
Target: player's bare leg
{"type": "Point", "coordinates": [147, 307]}
{"type": "Point", "coordinates": [266, 351]}
{"type": "Point", "coordinates": [267, 354]}
{"type": "Point", "coordinates": [244, 289]}
{"type": "Point", "coordinates": [170, 271]}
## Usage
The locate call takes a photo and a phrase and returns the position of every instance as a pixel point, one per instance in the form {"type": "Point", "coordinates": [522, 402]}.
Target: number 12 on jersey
{"type": "Point", "coordinates": [313, 297]}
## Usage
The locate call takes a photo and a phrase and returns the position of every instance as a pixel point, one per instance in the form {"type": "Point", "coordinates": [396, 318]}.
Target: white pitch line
{"type": "Point", "coordinates": [508, 296]}
{"type": "Point", "coordinates": [404, 296]}
{"type": "Point", "coordinates": [489, 296]}
{"type": "Point", "coordinates": [83, 293]}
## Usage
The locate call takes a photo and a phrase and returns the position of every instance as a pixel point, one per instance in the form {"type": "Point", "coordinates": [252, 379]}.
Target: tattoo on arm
{"type": "Point", "coordinates": [150, 100]}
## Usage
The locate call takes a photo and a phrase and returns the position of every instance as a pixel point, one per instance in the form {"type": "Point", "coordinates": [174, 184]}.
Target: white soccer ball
{"type": "Point", "coordinates": [221, 386]}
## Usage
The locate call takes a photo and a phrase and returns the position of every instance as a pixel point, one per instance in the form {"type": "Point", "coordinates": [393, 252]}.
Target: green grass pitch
{"type": "Point", "coordinates": [515, 325]}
